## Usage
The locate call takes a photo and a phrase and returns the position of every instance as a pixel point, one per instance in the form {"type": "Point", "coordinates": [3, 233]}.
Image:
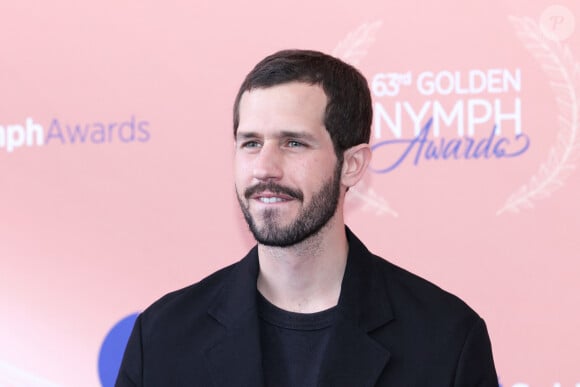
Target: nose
{"type": "Point", "coordinates": [268, 163]}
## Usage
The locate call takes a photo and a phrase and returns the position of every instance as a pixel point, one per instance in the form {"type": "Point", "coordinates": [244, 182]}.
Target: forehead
{"type": "Point", "coordinates": [284, 107]}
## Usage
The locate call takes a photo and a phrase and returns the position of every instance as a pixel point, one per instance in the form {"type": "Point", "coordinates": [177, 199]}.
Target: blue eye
{"type": "Point", "coordinates": [294, 144]}
{"type": "Point", "coordinates": [250, 144]}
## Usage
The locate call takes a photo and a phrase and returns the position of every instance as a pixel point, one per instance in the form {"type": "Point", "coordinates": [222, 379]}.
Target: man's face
{"type": "Point", "coordinates": [286, 171]}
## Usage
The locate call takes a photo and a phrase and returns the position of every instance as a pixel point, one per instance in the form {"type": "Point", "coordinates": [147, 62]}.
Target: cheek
{"type": "Point", "coordinates": [315, 175]}
{"type": "Point", "coordinates": [322, 167]}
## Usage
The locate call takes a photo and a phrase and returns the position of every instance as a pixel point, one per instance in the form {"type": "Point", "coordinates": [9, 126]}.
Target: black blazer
{"type": "Point", "coordinates": [393, 329]}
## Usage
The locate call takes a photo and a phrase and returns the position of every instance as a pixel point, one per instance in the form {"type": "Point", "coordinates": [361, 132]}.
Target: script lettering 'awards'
{"type": "Point", "coordinates": [460, 115]}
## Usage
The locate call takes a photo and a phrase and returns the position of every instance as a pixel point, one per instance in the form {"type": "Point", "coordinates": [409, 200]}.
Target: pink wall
{"type": "Point", "coordinates": [142, 202]}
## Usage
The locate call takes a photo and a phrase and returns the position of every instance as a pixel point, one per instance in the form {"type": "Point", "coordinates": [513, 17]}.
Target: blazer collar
{"type": "Point", "coordinates": [354, 358]}
{"type": "Point", "coordinates": [236, 359]}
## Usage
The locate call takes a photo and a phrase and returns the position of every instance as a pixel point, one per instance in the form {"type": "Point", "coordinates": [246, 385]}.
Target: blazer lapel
{"type": "Point", "coordinates": [354, 358]}
{"type": "Point", "coordinates": [236, 360]}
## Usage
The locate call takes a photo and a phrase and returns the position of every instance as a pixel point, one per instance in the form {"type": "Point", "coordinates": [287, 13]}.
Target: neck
{"type": "Point", "coordinates": [306, 277]}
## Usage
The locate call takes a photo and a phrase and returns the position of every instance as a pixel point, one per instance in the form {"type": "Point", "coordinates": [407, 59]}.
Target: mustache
{"type": "Point", "coordinates": [274, 188]}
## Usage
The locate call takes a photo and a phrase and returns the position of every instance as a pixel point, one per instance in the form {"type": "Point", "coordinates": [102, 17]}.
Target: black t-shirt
{"type": "Point", "coordinates": [293, 344]}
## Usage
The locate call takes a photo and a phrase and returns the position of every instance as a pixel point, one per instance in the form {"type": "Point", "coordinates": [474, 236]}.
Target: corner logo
{"type": "Point", "coordinates": [31, 133]}
{"type": "Point", "coordinates": [473, 114]}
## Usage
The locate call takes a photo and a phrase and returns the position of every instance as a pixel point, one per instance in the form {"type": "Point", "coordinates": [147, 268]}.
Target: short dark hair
{"type": "Point", "coordinates": [348, 114]}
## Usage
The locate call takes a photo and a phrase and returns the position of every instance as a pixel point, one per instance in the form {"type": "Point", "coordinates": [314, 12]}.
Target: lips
{"type": "Point", "coordinates": [271, 198]}
{"type": "Point", "coordinates": [272, 193]}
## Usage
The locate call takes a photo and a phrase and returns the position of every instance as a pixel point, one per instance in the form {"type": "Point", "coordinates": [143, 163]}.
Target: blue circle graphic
{"type": "Point", "coordinates": [113, 348]}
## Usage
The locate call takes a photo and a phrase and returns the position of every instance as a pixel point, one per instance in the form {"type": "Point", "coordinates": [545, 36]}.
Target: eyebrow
{"type": "Point", "coordinates": [281, 134]}
{"type": "Point", "coordinates": [245, 135]}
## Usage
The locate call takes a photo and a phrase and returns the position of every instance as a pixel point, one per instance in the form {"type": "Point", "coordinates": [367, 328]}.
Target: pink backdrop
{"type": "Point", "coordinates": [116, 153]}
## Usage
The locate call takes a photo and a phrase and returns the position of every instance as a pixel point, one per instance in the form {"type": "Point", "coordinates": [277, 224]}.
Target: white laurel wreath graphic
{"type": "Point", "coordinates": [371, 201]}
{"type": "Point", "coordinates": [557, 61]}
{"type": "Point", "coordinates": [357, 43]}
{"type": "Point", "coordinates": [351, 50]}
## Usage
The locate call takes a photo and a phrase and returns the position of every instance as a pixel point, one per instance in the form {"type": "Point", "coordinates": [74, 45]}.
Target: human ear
{"type": "Point", "coordinates": [356, 161]}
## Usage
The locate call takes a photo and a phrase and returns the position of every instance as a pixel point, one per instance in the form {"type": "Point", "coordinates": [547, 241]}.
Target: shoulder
{"type": "Point", "coordinates": [428, 319]}
{"type": "Point", "coordinates": [408, 295]}
{"type": "Point", "coordinates": [433, 326]}
{"type": "Point", "coordinates": [188, 304]}
{"type": "Point", "coordinates": [170, 337]}
{"type": "Point", "coordinates": [412, 295]}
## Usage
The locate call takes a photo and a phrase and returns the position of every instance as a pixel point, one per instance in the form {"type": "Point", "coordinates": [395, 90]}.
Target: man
{"type": "Point", "coordinates": [309, 305]}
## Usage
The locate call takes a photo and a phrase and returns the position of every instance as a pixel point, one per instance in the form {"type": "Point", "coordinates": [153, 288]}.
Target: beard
{"type": "Point", "coordinates": [309, 221]}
